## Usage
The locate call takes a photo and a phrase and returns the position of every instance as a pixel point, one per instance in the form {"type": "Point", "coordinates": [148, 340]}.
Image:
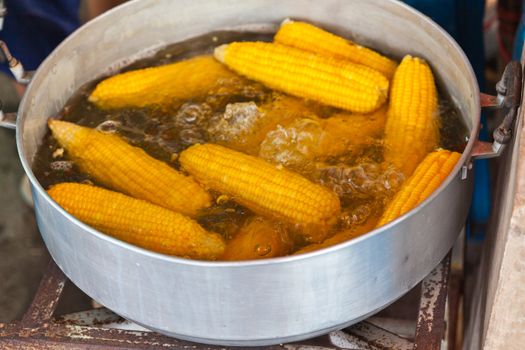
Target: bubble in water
{"type": "Point", "coordinates": [192, 115]}
{"type": "Point", "coordinates": [61, 165]}
{"type": "Point", "coordinates": [237, 119]}
{"type": "Point", "coordinates": [109, 126]}
{"type": "Point", "coordinates": [362, 181]}
{"type": "Point", "coordinates": [191, 136]}
{"type": "Point", "coordinates": [356, 216]}
{"type": "Point", "coordinates": [263, 249]}
{"type": "Point", "coordinates": [292, 146]}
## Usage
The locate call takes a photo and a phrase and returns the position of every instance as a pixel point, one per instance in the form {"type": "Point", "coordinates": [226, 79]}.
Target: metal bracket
{"type": "Point", "coordinates": [490, 102]}
{"type": "Point", "coordinates": [15, 66]}
{"type": "Point", "coordinates": [7, 120]}
{"type": "Point", "coordinates": [509, 90]}
{"type": "Point", "coordinates": [101, 329]}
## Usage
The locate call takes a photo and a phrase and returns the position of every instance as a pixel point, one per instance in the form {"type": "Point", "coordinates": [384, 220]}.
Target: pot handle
{"type": "Point", "coordinates": [509, 90]}
{"type": "Point", "coordinates": [7, 120]}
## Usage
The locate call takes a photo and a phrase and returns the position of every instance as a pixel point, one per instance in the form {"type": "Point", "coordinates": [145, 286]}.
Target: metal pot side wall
{"type": "Point", "coordinates": [265, 303]}
{"type": "Point", "coordinates": [269, 301]}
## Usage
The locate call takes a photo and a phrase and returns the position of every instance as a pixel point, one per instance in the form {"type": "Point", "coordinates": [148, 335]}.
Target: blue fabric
{"type": "Point", "coordinates": [520, 36]}
{"type": "Point", "coordinates": [463, 20]}
{"type": "Point", "coordinates": [33, 28]}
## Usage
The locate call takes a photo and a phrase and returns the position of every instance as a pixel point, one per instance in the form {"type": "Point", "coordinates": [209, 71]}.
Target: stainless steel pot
{"type": "Point", "coordinates": [266, 301]}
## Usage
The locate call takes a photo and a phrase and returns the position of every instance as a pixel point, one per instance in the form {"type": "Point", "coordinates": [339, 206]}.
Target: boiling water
{"type": "Point", "coordinates": [236, 115]}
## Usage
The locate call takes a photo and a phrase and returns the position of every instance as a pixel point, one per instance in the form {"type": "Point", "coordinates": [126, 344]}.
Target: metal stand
{"type": "Point", "coordinates": [102, 329]}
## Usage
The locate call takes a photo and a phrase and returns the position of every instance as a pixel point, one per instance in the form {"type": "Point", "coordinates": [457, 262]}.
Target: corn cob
{"type": "Point", "coordinates": [260, 238]}
{"type": "Point", "coordinates": [307, 37]}
{"type": "Point", "coordinates": [337, 83]}
{"type": "Point", "coordinates": [160, 85]}
{"type": "Point", "coordinates": [264, 188]}
{"type": "Point", "coordinates": [340, 237]}
{"type": "Point", "coordinates": [138, 222]}
{"type": "Point", "coordinates": [426, 178]}
{"type": "Point", "coordinates": [411, 130]}
{"type": "Point", "coordinates": [124, 168]}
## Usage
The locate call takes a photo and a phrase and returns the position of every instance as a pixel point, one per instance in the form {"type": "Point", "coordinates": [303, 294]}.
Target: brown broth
{"type": "Point", "coordinates": [165, 132]}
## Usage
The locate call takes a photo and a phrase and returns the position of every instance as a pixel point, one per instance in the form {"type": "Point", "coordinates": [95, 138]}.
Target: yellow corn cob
{"type": "Point", "coordinates": [124, 168]}
{"type": "Point", "coordinates": [259, 238]}
{"type": "Point", "coordinates": [160, 85]}
{"type": "Point", "coordinates": [341, 236]}
{"type": "Point", "coordinates": [305, 36]}
{"type": "Point", "coordinates": [426, 178]}
{"type": "Point", "coordinates": [337, 83]}
{"type": "Point", "coordinates": [264, 188]}
{"type": "Point", "coordinates": [138, 222]}
{"type": "Point", "coordinates": [412, 129]}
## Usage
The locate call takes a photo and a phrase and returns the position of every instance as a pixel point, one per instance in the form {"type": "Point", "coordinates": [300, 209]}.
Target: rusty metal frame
{"type": "Point", "coordinates": [40, 329]}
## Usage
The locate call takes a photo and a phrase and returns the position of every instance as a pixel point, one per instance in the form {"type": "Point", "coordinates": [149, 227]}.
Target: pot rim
{"type": "Point", "coordinates": [465, 157]}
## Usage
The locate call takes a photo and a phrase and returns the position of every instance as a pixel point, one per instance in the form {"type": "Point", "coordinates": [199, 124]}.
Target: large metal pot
{"type": "Point", "coordinates": [255, 302]}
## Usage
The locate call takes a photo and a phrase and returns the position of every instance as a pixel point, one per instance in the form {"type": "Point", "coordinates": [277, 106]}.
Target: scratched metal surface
{"type": "Point", "coordinates": [102, 329]}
